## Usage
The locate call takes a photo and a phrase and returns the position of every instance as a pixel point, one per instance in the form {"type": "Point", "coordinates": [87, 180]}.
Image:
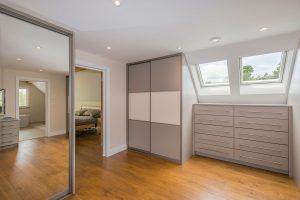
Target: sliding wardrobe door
{"type": "Point", "coordinates": [139, 106]}
{"type": "Point", "coordinates": [166, 107]}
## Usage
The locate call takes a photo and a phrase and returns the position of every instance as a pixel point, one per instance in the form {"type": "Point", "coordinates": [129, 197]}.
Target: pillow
{"type": "Point", "coordinates": [92, 112]}
{"type": "Point", "coordinates": [80, 112]}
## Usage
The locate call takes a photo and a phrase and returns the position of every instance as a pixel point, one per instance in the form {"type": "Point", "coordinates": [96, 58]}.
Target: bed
{"type": "Point", "coordinates": [87, 117]}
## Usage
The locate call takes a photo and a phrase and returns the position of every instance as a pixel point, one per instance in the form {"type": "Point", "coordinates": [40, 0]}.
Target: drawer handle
{"type": "Point", "coordinates": [277, 113]}
{"type": "Point", "coordinates": [213, 110]}
{"type": "Point", "coordinates": [215, 120]}
{"type": "Point", "coordinates": [8, 125]}
{"type": "Point", "coordinates": [208, 140]}
{"type": "Point", "coordinates": [262, 160]}
{"type": "Point", "coordinates": [252, 123]}
{"type": "Point", "coordinates": [261, 148]}
{"type": "Point", "coordinates": [10, 141]}
{"type": "Point", "coordinates": [10, 133]}
{"type": "Point", "coordinates": [260, 135]}
{"type": "Point", "coordinates": [211, 130]}
{"type": "Point", "coordinates": [216, 151]}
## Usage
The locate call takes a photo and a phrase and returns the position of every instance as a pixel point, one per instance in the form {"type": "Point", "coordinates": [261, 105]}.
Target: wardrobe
{"type": "Point", "coordinates": [159, 103]}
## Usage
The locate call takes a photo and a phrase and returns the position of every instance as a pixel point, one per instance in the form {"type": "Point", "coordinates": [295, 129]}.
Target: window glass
{"type": "Point", "coordinates": [23, 97]}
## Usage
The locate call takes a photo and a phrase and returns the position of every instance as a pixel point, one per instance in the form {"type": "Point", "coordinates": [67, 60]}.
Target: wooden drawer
{"type": "Point", "coordinates": [223, 131]}
{"type": "Point", "coordinates": [214, 120]}
{"type": "Point", "coordinates": [262, 160]}
{"type": "Point", "coordinates": [262, 148]}
{"type": "Point", "coordinates": [9, 133]}
{"type": "Point", "coordinates": [214, 150]}
{"type": "Point", "coordinates": [213, 110]}
{"type": "Point", "coordinates": [214, 140]}
{"type": "Point", "coordinates": [262, 112]}
{"type": "Point", "coordinates": [263, 124]}
{"type": "Point", "coordinates": [9, 125]}
{"type": "Point", "coordinates": [262, 135]}
{"type": "Point", "coordinates": [9, 141]}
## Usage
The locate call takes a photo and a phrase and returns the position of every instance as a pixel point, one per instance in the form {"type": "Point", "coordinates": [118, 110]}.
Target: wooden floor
{"type": "Point", "coordinates": [132, 175]}
{"type": "Point", "coordinates": [35, 170]}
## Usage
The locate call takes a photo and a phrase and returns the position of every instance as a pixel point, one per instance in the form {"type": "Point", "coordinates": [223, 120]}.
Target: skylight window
{"type": "Point", "coordinates": [213, 73]}
{"type": "Point", "coordinates": [265, 68]}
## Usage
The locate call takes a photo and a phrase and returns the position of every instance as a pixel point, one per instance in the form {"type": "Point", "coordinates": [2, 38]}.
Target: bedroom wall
{"type": "Point", "coordinates": [294, 100]}
{"type": "Point", "coordinates": [57, 95]}
{"type": "Point", "coordinates": [117, 121]}
{"type": "Point", "coordinates": [36, 108]}
{"type": "Point", "coordinates": [88, 88]}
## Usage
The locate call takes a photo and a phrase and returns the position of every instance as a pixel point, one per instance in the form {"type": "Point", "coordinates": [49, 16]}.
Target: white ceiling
{"type": "Point", "coordinates": [19, 39]}
{"type": "Point", "coordinates": [141, 29]}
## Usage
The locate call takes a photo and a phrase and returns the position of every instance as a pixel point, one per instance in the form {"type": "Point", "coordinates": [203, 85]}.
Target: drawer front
{"type": "Point", "coordinates": [262, 160]}
{"type": "Point", "coordinates": [9, 141]}
{"type": "Point", "coordinates": [214, 120]}
{"type": "Point", "coordinates": [214, 140]}
{"type": "Point", "coordinates": [214, 130]}
{"type": "Point", "coordinates": [262, 112]}
{"type": "Point", "coordinates": [262, 147]}
{"type": "Point", "coordinates": [214, 150]}
{"type": "Point", "coordinates": [263, 124]}
{"type": "Point", "coordinates": [262, 136]}
{"type": "Point", "coordinates": [9, 133]}
{"type": "Point", "coordinates": [10, 125]}
{"type": "Point", "coordinates": [213, 110]}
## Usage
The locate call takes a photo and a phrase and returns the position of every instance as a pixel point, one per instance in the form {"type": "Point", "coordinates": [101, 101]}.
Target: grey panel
{"type": "Point", "coordinates": [139, 77]}
{"type": "Point", "coordinates": [165, 140]}
{"type": "Point", "coordinates": [166, 74]}
{"type": "Point", "coordinates": [139, 135]}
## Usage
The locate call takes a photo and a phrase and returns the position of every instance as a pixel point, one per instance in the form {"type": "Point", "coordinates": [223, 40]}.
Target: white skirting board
{"type": "Point", "coordinates": [116, 150]}
{"type": "Point", "coordinates": [54, 133]}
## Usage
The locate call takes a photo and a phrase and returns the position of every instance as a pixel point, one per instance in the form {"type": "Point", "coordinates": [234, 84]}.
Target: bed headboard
{"type": "Point", "coordinates": [90, 107]}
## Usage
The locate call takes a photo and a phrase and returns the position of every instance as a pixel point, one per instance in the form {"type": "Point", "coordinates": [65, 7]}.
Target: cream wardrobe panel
{"type": "Point", "coordinates": [139, 106]}
{"type": "Point", "coordinates": [165, 107]}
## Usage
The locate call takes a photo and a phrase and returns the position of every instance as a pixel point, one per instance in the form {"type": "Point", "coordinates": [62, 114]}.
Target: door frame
{"type": "Point", "coordinates": [106, 102]}
{"type": "Point", "coordinates": [47, 100]}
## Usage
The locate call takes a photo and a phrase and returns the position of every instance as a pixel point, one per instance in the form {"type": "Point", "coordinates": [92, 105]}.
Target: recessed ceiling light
{"type": "Point", "coordinates": [264, 29]}
{"type": "Point", "coordinates": [215, 39]}
{"type": "Point", "coordinates": [108, 47]}
{"type": "Point", "coordinates": [179, 48]}
{"type": "Point", "coordinates": [19, 59]}
{"type": "Point", "coordinates": [38, 47]}
{"type": "Point", "coordinates": [117, 2]}
{"type": "Point", "coordinates": [41, 70]}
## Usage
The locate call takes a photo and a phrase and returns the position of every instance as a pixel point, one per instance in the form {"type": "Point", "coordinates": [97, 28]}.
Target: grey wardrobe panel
{"type": "Point", "coordinates": [139, 77]}
{"type": "Point", "coordinates": [139, 135]}
{"type": "Point", "coordinates": [165, 140]}
{"type": "Point", "coordinates": [166, 74]}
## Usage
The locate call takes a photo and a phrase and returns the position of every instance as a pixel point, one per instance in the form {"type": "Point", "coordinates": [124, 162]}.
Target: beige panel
{"type": "Point", "coordinates": [262, 147]}
{"type": "Point", "coordinates": [165, 107]}
{"type": "Point", "coordinates": [165, 140]}
{"type": "Point", "coordinates": [264, 124]}
{"type": "Point", "coordinates": [214, 130]}
{"type": "Point", "coordinates": [273, 112]}
{"type": "Point", "coordinates": [213, 110]}
{"type": "Point", "coordinates": [214, 140]}
{"type": "Point", "coordinates": [139, 106]}
{"type": "Point", "coordinates": [139, 135]}
{"type": "Point", "coordinates": [262, 135]}
{"type": "Point", "coordinates": [214, 150]}
{"type": "Point", "coordinates": [263, 160]}
{"type": "Point", "coordinates": [214, 120]}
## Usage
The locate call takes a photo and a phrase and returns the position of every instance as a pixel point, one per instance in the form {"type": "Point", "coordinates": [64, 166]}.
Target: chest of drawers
{"type": "Point", "coordinates": [254, 135]}
{"type": "Point", "coordinates": [9, 133]}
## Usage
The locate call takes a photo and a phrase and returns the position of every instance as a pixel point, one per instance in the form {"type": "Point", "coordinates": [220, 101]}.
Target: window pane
{"type": "Point", "coordinates": [214, 73]}
{"type": "Point", "coordinates": [262, 67]}
{"type": "Point", "coordinates": [23, 99]}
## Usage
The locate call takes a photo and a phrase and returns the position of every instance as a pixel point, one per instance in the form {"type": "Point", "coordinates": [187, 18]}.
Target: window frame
{"type": "Point", "coordinates": [281, 72]}
{"type": "Point", "coordinates": [199, 74]}
{"type": "Point", "coordinates": [27, 97]}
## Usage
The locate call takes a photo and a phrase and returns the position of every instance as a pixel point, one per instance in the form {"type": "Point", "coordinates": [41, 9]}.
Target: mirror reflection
{"type": "Point", "coordinates": [34, 144]}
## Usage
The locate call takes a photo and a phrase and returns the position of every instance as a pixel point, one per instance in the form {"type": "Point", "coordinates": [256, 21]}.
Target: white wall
{"type": "Point", "coordinates": [36, 98]}
{"type": "Point", "coordinates": [87, 88]}
{"type": "Point", "coordinates": [57, 95]}
{"type": "Point", "coordinates": [232, 53]}
{"type": "Point", "coordinates": [117, 102]}
{"type": "Point", "coordinates": [294, 100]}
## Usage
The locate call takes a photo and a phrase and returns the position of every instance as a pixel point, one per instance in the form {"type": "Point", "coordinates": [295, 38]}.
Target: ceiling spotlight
{"type": "Point", "coordinates": [38, 47]}
{"type": "Point", "coordinates": [117, 2]}
{"type": "Point", "coordinates": [19, 59]}
{"type": "Point", "coordinates": [263, 29]}
{"type": "Point", "coordinates": [179, 48]}
{"type": "Point", "coordinates": [215, 39]}
{"type": "Point", "coordinates": [41, 70]}
{"type": "Point", "coordinates": [108, 48]}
